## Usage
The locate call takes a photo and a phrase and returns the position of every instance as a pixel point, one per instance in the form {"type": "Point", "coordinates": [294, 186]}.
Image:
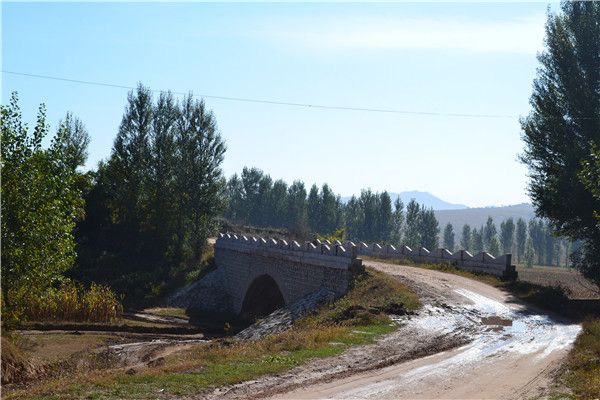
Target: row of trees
{"type": "Point", "coordinates": [41, 200]}
{"type": "Point", "coordinates": [562, 131]}
{"type": "Point", "coordinates": [532, 242]}
{"type": "Point", "coordinates": [137, 223]}
{"type": "Point", "coordinates": [151, 205]}
{"type": "Point", "coordinates": [255, 199]}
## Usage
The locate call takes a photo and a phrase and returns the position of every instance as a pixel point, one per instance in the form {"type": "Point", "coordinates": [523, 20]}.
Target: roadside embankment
{"type": "Point", "coordinates": [357, 319]}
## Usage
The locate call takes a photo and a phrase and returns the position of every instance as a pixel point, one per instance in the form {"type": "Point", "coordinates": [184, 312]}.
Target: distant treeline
{"type": "Point", "coordinates": [255, 199]}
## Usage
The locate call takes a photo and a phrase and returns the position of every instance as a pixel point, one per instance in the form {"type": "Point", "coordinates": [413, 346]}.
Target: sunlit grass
{"type": "Point", "coordinates": [328, 332]}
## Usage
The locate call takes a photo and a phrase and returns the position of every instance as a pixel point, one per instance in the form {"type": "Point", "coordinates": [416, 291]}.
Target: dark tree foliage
{"type": "Point", "coordinates": [466, 240]}
{"type": "Point", "coordinates": [507, 235]}
{"type": "Point", "coordinates": [449, 237]}
{"type": "Point", "coordinates": [153, 203]}
{"type": "Point", "coordinates": [490, 236]}
{"type": "Point", "coordinates": [297, 212]}
{"type": "Point", "coordinates": [255, 200]}
{"type": "Point", "coordinates": [563, 126]}
{"type": "Point", "coordinates": [412, 235]}
{"type": "Point", "coordinates": [521, 238]}
{"type": "Point", "coordinates": [398, 222]}
{"type": "Point", "coordinates": [429, 229]}
{"type": "Point", "coordinates": [477, 235]}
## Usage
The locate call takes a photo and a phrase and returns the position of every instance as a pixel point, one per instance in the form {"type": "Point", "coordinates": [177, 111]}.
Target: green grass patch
{"type": "Point", "coordinates": [328, 332]}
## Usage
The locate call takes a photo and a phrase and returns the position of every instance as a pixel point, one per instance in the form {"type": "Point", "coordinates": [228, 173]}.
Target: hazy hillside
{"type": "Point", "coordinates": [425, 198]}
{"type": "Point", "coordinates": [478, 216]}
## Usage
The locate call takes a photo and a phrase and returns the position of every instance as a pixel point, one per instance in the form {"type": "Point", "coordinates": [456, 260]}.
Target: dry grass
{"type": "Point", "coordinates": [15, 366]}
{"type": "Point", "coordinates": [52, 347]}
{"type": "Point", "coordinates": [70, 302]}
{"type": "Point", "coordinates": [328, 332]}
{"type": "Point", "coordinates": [374, 295]}
{"type": "Point", "coordinates": [583, 376]}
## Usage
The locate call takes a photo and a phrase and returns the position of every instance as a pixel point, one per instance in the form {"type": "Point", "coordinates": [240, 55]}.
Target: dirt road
{"type": "Point", "coordinates": [469, 341]}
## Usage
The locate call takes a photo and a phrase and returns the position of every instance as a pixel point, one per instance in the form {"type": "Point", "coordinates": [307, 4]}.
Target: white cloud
{"type": "Point", "coordinates": [523, 35]}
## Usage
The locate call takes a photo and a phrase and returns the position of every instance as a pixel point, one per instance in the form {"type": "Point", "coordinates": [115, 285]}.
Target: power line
{"type": "Point", "coordinates": [272, 102]}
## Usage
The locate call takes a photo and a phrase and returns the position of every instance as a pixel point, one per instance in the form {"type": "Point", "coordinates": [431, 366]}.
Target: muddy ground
{"type": "Point", "coordinates": [469, 341]}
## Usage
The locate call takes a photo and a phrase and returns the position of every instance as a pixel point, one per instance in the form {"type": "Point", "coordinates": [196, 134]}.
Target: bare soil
{"type": "Point", "coordinates": [575, 285]}
{"type": "Point", "coordinates": [470, 340]}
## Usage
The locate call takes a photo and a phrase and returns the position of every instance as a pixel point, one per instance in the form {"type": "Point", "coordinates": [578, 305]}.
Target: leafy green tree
{"type": "Point", "coordinates": [537, 236]}
{"type": "Point", "coordinates": [279, 203]}
{"type": "Point", "coordinates": [385, 218]}
{"type": "Point", "coordinates": [490, 235]}
{"type": "Point", "coordinates": [354, 217]}
{"type": "Point", "coordinates": [550, 241]}
{"type": "Point", "coordinates": [466, 240]}
{"type": "Point", "coordinates": [330, 210]}
{"type": "Point", "coordinates": [251, 178]}
{"type": "Point", "coordinates": [76, 141]}
{"type": "Point", "coordinates": [264, 216]}
{"type": "Point", "coordinates": [153, 203]}
{"type": "Point", "coordinates": [477, 240]}
{"type": "Point", "coordinates": [41, 200]}
{"type": "Point", "coordinates": [529, 255]}
{"type": "Point", "coordinates": [201, 152]}
{"type": "Point", "coordinates": [412, 236]}
{"type": "Point", "coordinates": [370, 210]}
{"type": "Point", "coordinates": [314, 209]}
{"type": "Point", "coordinates": [449, 237]}
{"type": "Point", "coordinates": [297, 210]}
{"type": "Point", "coordinates": [521, 238]}
{"type": "Point", "coordinates": [235, 197]}
{"type": "Point", "coordinates": [429, 229]}
{"type": "Point", "coordinates": [397, 222]}
{"type": "Point", "coordinates": [494, 248]}
{"type": "Point", "coordinates": [507, 234]}
{"type": "Point", "coordinates": [563, 127]}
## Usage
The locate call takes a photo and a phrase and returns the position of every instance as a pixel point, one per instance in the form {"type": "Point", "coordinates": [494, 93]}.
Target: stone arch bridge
{"type": "Point", "coordinates": [262, 275]}
{"type": "Point", "coordinates": [255, 276]}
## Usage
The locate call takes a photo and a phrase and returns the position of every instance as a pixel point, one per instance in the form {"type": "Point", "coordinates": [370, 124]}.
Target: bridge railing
{"type": "Point", "coordinates": [317, 247]}
{"type": "Point", "coordinates": [482, 262]}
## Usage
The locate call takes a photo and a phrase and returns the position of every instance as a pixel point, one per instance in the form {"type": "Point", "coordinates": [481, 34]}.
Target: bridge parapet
{"type": "Point", "coordinates": [482, 262]}
{"type": "Point", "coordinates": [297, 269]}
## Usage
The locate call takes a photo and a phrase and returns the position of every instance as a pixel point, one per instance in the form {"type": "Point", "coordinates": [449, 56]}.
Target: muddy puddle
{"type": "Point", "coordinates": [497, 333]}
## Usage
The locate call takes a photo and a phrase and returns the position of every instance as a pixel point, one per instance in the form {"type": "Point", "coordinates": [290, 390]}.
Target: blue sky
{"type": "Point", "coordinates": [467, 58]}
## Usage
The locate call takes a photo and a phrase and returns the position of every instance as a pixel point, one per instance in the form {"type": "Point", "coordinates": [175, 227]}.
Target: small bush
{"type": "Point", "coordinates": [69, 302]}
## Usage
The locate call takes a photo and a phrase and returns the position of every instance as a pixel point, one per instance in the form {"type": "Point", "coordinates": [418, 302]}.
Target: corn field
{"type": "Point", "coordinates": [71, 302]}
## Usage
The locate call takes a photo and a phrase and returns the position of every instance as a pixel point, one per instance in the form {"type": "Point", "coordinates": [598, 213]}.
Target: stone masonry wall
{"type": "Point", "coordinates": [481, 262]}
{"type": "Point", "coordinates": [297, 269]}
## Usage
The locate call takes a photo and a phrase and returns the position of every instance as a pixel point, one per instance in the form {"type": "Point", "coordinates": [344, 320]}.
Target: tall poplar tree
{"type": "Point", "coordinates": [564, 125]}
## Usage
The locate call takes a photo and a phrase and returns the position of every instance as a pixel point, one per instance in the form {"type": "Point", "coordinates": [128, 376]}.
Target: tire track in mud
{"type": "Point", "coordinates": [470, 340]}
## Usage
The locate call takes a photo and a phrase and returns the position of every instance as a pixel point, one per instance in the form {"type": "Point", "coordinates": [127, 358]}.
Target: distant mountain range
{"type": "Point", "coordinates": [477, 217]}
{"type": "Point", "coordinates": [424, 198]}
{"type": "Point", "coordinates": [460, 214]}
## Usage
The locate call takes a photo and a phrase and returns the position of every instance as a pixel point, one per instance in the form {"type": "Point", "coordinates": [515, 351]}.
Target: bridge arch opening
{"type": "Point", "coordinates": [262, 298]}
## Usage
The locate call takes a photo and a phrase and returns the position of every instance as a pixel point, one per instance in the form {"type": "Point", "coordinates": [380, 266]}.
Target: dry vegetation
{"type": "Point", "coordinates": [583, 376]}
{"type": "Point", "coordinates": [70, 302]}
{"type": "Point", "coordinates": [575, 285]}
{"type": "Point", "coordinates": [358, 318]}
